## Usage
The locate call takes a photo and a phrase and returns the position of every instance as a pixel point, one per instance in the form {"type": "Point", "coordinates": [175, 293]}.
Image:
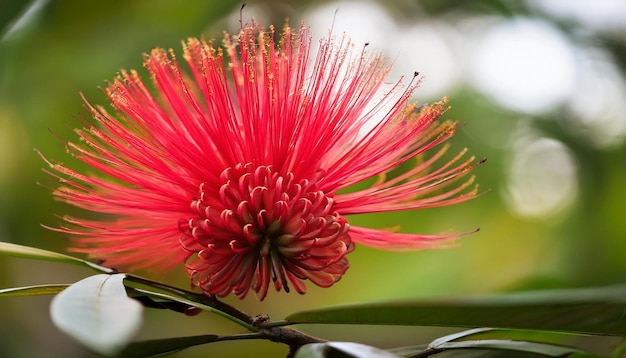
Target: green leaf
{"type": "Point", "coordinates": [548, 350]}
{"type": "Point", "coordinates": [28, 252]}
{"type": "Point", "coordinates": [508, 334]}
{"type": "Point", "coordinates": [162, 346]}
{"type": "Point", "coordinates": [34, 253]}
{"type": "Point", "coordinates": [459, 336]}
{"type": "Point", "coordinates": [97, 312]}
{"type": "Point", "coordinates": [342, 349]}
{"type": "Point", "coordinates": [549, 339]}
{"type": "Point", "coordinates": [32, 290]}
{"type": "Point", "coordinates": [591, 311]}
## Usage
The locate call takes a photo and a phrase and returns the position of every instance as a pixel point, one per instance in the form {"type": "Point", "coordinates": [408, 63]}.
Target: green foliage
{"type": "Point", "coordinates": [163, 346]}
{"type": "Point", "coordinates": [104, 313]}
{"type": "Point", "coordinates": [45, 255]}
{"type": "Point", "coordinates": [547, 350]}
{"type": "Point", "coordinates": [462, 341]}
{"type": "Point", "coordinates": [32, 290]}
{"type": "Point", "coordinates": [591, 311]}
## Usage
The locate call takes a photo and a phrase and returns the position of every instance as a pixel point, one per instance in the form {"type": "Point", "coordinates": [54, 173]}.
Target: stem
{"type": "Point", "coordinates": [192, 303]}
{"type": "Point", "coordinates": [242, 336]}
{"type": "Point", "coordinates": [260, 326]}
{"type": "Point", "coordinates": [272, 324]}
{"type": "Point", "coordinates": [426, 353]}
{"type": "Point", "coordinates": [163, 286]}
{"type": "Point", "coordinates": [291, 337]}
{"type": "Point", "coordinates": [224, 309]}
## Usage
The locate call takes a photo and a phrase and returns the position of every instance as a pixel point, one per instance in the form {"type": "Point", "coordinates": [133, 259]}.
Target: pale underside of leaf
{"type": "Point", "coordinates": [347, 349]}
{"type": "Point", "coordinates": [97, 312]}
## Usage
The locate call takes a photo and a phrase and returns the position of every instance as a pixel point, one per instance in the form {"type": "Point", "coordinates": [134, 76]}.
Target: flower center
{"type": "Point", "coordinates": [257, 226]}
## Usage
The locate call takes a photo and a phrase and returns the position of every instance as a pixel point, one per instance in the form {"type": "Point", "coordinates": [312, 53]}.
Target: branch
{"type": "Point", "coordinates": [208, 300]}
{"type": "Point", "coordinates": [289, 336]}
{"type": "Point", "coordinates": [264, 329]}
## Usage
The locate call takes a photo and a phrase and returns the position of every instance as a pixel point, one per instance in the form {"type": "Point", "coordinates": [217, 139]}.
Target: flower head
{"type": "Point", "coordinates": [239, 167]}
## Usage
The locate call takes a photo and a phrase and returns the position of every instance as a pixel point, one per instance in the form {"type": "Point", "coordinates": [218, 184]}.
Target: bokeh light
{"type": "Point", "coordinates": [525, 65]}
{"type": "Point", "coordinates": [542, 177]}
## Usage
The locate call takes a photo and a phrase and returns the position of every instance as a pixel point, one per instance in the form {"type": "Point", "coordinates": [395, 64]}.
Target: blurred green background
{"type": "Point", "coordinates": [539, 85]}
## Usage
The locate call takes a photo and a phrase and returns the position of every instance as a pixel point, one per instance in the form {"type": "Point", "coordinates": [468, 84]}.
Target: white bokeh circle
{"type": "Point", "coordinates": [525, 65]}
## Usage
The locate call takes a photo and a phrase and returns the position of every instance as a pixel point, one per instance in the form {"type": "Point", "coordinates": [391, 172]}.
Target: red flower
{"type": "Point", "coordinates": [240, 170]}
